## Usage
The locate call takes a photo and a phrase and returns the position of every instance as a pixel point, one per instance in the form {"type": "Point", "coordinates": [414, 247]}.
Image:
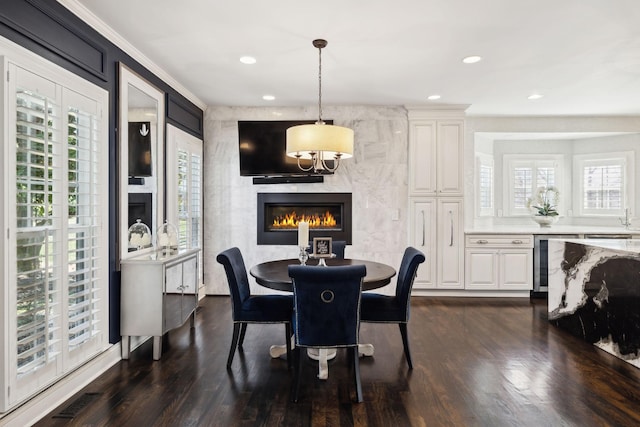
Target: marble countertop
{"type": "Point", "coordinates": [555, 229]}
{"type": "Point", "coordinates": [622, 245]}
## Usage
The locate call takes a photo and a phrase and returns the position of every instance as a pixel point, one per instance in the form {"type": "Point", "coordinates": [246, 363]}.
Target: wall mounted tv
{"type": "Point", "coordinates": [262, 147]}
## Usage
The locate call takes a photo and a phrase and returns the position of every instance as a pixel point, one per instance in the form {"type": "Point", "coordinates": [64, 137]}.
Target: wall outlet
{"type": "Point", "coordinates": [395, 215]}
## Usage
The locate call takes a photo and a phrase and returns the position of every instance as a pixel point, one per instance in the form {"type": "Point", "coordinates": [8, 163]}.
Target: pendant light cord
{"type": "Point", "coordinates": [319, 85]}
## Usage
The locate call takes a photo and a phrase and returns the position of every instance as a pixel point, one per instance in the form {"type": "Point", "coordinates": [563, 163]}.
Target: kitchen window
{"type": "Point", "coordinates": [484, 197]}
{"type": "Point", "coordinates": [604, 183]}
{"type": "Point", "coordinates": [524, 174]}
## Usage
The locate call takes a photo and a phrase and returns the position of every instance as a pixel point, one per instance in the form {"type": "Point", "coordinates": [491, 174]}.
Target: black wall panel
{"type": "Point", "coordinates": [51, 31]}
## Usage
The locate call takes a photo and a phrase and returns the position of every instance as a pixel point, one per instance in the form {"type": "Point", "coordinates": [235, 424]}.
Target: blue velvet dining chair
{"type": "Point", "coordinates": [247, 308]}
{"type": "Point", "coordinates": [378, 308]}
{"type": "Point", "coordinates": [327, 313]}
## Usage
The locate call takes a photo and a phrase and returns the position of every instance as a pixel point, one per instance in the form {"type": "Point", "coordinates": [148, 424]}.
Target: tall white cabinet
{"type": "Point", "coordinates": [436, 141]}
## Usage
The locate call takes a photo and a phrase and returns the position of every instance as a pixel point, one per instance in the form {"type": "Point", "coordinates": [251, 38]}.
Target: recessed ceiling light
{"type": "Point", "coordinates": [472, 59]}
{"type": "Point", "coordinates": [433, 97]}
{"type": "Point", "coordinates": [248, 60]}
{"type": "Point", "coordinates": [535, 96]}
{"type": "Point", "coordinates": [268, 97]}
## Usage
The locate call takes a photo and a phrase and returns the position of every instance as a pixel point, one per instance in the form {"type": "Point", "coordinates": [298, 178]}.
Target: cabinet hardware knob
{"type": "Point", "coordinates": [517, 241]}
{"type": "Point", "coordinates": [482, 241]}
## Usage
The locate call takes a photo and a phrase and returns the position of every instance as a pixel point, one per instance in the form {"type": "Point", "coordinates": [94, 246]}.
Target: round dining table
{"type": "Point", "coordinates": [275, 275]}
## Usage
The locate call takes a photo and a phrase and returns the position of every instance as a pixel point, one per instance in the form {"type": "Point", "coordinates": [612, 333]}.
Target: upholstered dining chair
{"type": "Point", "coordinates": [327, 313]}
{"type": "Point", "coordinates": [247, 308]}
{"type": "Point", "coordinates": [395, 309]}
{"type": "Point", "coordinates": [337, 247]}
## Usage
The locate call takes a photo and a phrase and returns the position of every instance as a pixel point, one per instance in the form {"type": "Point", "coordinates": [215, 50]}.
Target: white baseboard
{"type": "Point", "coordinates": [43, 403]}
{"type": "Point", "coordinates": [469, 293]}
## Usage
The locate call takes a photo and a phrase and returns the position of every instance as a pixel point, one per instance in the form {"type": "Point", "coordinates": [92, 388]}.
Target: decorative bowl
{"type": "Point", "coordinates": [545, 221]}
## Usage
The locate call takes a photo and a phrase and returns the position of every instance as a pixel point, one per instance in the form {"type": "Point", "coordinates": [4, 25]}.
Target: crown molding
{"type": "Point", "coordinates": [97, 24]}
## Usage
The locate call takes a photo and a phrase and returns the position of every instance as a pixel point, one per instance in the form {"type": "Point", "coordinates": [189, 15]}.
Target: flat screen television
{"type": "Point", "coordinates": [263, 145]}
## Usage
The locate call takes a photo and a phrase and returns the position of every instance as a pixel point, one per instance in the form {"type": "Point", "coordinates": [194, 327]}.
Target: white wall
{"type": "Point", "coordinates": [376, 176]}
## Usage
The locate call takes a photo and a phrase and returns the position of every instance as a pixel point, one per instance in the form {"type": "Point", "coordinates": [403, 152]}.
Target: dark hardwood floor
{"type": "Point", "coordinates": [477, 362]}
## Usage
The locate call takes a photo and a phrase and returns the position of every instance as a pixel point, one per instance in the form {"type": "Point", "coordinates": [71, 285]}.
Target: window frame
{"type": "Point", "coordinates": [485, 160]}
{"type": "Point", "coordinates": [29, 73]}
{"type": "Point", "coordinates": [191, 211]}
{"type": "Point", "coordinates": [535, 162]}
{"type": "Point", "coordinates": [625, 159]}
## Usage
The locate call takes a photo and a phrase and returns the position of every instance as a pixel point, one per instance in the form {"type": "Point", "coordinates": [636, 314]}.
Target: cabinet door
{"type": "Point", "coordinates": [450, 244]}
{"type": "Point", "coordinates": [173, 279]}
{"type": "Point", "coordinates": [481, 269]}
{"type": "Point", "coordinates": [190, 276]}
{"type": "Point", "coordinates": [450, 137]}
{"type": "Point", "coordinates": [516, 269]}
{"type": "Point", "coordinates": [190, 286]}
{"type": "Point", "coordinates": [423, 237]}
{"type": "Point", "coordinates": [422, 157]}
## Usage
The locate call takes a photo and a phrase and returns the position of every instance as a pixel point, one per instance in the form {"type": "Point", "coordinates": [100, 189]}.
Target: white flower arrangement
{"type": "Point", "coordinates": [545, 202]}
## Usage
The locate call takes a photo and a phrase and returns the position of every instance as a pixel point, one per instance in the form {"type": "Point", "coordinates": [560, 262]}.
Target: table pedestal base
{"type": "Point", "coordinates": [322, 355]}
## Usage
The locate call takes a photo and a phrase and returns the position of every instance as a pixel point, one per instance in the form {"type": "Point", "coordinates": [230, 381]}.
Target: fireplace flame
{"type": "Point", "coordinates": [291, 220]}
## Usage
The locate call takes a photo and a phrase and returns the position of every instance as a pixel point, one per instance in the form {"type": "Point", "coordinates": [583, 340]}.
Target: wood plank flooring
{"type": "Point", "coordinates": [477, 362]}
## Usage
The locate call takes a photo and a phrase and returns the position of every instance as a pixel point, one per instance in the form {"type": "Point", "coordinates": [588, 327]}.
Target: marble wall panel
{"type": "Point", "coordinates": [376, 176]}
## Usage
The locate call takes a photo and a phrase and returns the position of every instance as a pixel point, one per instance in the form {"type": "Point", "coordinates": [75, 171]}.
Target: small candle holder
{"type": "Point", "coordinates": [303, 256]}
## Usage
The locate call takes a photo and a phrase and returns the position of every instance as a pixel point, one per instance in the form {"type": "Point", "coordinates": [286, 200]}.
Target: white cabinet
{"type": "Point", "coordinates": [158, 294]}
{"type": "Point", "coordinates": [499, 262]}
{"type": "Point", "coordinates": [435, 157]}
{"type": "Point", "coordinates": [436, 229]}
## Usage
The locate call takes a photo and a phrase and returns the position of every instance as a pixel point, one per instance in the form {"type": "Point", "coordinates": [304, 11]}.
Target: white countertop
{"type": "Point", "coordinates": [554, 229]}
{"type": "Point", "coordinates": [622, 245]}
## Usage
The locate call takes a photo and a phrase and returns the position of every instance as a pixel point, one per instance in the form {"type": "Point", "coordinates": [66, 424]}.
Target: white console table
{"type": "Point", "coordinates": [158, 293]}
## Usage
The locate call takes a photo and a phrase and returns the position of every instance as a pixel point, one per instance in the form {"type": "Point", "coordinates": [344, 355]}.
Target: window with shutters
{"type": "Point", "coordinates": [184, 187]}
{"type": "Point", "coordinates": [57, 274]}
{"type": "Point", "coordinates": [484, 196]}
{"type": "Point", "coordinates": [605, 183]}
{"type": "Point", "coordinates": [523, 175]}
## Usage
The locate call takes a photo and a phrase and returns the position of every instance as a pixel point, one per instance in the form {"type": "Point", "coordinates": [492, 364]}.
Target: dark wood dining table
{"type": "Point", "coordinates": [275, 275]}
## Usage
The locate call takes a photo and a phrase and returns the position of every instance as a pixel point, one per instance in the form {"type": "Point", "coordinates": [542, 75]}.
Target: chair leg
{"type": "Point", "coordinates": [287, 342]}
{"type": "Point", "coordinates": [353, 352]}
{"type": "Point", "coordinates": [405, 342]}
{"type": "Point", "coordinates": [234, 343]}
{"type": "Point", "coordinates": [297, 373]}
{"type": "Point", "coordinates": [243, 330]}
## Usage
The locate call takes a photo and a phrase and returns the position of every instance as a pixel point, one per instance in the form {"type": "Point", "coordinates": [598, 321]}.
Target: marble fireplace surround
{"type": "Point", "coordinates": [339, 204]}
{"type": "Point", "coordinates": [376, 176]}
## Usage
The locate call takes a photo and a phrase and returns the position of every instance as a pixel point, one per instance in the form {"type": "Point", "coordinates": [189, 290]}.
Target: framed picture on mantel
{"type": "Point", "coordinates": [322, 247]}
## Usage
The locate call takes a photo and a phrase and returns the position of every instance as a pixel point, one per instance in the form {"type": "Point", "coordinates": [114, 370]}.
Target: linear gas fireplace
{"type": "Point", "coordinates": [328, 215]}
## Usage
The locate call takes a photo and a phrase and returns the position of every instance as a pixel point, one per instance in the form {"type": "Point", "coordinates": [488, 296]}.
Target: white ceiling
{"type": "Point", "coordinates": [582, 55]}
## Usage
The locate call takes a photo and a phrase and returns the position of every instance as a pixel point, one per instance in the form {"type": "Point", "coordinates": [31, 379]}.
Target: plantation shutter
{"type": "Point", "coordinates": [56, 280]}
